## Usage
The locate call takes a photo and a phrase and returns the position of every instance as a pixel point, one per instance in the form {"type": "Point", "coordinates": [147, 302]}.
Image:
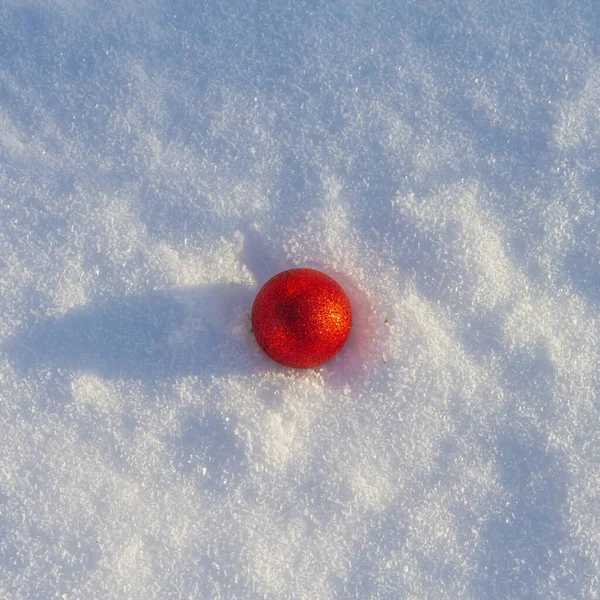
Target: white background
{"type": "Point", "coordinates": [160, 160]}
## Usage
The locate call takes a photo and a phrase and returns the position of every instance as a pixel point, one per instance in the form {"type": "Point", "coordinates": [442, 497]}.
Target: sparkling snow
{"type": "Point", "coordinates": [160, 160]}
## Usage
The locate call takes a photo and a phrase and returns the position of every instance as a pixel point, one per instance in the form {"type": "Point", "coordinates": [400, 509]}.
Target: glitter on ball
{"type": "Point", "coordinates": [301, 318]}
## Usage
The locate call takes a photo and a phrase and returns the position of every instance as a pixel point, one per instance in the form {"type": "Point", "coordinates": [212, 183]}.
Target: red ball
{"type": "Point", "coordinates": [301, 318]}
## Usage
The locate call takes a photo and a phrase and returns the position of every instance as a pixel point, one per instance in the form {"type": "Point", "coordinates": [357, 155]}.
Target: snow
{"type": "Point", "coordinates": [160, 160]}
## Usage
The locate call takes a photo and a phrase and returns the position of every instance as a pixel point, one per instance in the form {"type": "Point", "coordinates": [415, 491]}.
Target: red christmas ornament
{"type": "Point", "coordinates": [301, 318]}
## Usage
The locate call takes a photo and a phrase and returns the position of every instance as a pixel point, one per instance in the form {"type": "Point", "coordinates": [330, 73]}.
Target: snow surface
{"type": "Point", "coordinates": [160, 160]}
